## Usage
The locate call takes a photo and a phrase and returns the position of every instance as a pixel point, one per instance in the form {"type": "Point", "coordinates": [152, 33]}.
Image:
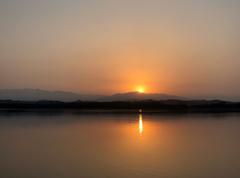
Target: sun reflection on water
{"type": "Point", "coordinates": [140, 124]}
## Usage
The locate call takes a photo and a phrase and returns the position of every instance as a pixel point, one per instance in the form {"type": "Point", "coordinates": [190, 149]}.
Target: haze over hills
{"type": "Point", "coordinates": [36, 95]}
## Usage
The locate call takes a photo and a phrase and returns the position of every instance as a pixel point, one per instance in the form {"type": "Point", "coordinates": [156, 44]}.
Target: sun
{"type": "Point", "coordinates": [140, 89]}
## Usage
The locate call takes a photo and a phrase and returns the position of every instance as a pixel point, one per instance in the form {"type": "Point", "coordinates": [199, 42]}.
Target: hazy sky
{"type": "Point", "coordinates": [187, 47]}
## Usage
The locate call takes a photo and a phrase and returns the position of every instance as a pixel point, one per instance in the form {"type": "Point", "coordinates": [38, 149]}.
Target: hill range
{"type": "Point", "coordinates": [39, 95]}
{"type": "Point", "coordinates": [29, 100]}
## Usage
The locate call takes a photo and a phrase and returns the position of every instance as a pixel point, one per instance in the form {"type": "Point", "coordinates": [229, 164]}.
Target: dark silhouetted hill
{"type": "Point", "coordinates": [146, 105]}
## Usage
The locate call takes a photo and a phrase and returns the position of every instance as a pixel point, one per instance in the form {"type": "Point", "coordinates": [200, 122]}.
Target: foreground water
{"type": "Point", "coordinates": [119, 146]}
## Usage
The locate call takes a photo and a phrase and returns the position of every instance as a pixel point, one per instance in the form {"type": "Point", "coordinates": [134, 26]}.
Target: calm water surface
{"type": "Point", "coordinates": [119, 146]}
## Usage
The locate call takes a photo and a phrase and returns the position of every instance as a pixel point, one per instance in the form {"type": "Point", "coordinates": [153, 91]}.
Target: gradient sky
{"type": "Point", "coordinates": [187, 47]}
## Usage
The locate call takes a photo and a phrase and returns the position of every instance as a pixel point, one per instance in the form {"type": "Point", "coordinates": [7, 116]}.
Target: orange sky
{"type": "Point", "coordinates": [185, 48]}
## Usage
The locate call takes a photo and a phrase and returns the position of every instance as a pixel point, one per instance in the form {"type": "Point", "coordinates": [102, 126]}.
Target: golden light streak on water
{"type": "Point", "coordinates": [140, 124]}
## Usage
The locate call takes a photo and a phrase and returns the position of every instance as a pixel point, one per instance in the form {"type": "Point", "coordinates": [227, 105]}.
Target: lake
{"type": "Point", "coordinates": [95, 145]}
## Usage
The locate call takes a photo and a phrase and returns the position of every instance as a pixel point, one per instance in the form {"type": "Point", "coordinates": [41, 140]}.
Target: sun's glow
{"type": "Point", "coordinates": [140, 89]}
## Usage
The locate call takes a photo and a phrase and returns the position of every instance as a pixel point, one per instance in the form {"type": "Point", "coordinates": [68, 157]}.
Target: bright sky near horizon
{"type": "Point", "coordinates": [188, 47]}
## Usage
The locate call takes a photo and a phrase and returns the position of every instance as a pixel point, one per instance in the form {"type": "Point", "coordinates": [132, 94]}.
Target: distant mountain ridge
{"type": "Point", "coordinates": [37, 95]}
{"type": "Point", "coordinates": [136, 96]}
